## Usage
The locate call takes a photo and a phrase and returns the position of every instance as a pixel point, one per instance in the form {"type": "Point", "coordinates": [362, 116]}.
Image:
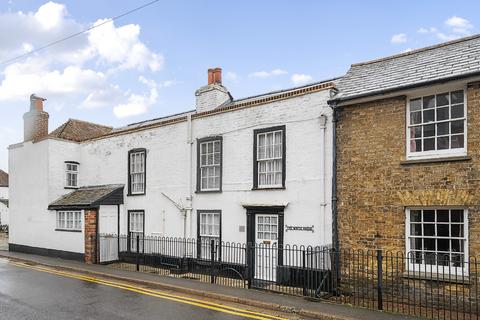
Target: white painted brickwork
{"type": "Point", "coordinates": [37, 175]}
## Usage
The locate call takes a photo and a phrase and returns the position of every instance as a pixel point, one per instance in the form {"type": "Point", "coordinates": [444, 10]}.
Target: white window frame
{"type": "Point", "coordinates": [217, 166]}
{"type": "Point", "coordinates": [435, 154]}
{"type": "Point", "coordinates": [69, 220]}
{"type": "Point", "coordinates": [436, 269]}
{"type": "Point", "coordinates": [213, 225]}
{"type": "Point", "coordinates": [140, 173]}
{"type": "Point", "coordinates": [71, 172]}
{"type": "Point", "coordinates": [271, 159]}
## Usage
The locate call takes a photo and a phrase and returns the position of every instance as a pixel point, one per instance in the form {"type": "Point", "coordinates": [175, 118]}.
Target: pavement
{"type": "Point", "coordinates": [296, 306]}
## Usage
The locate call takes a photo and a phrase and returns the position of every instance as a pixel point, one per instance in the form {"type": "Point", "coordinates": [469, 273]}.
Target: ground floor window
{"type": "Point", "coordinates": [437, 240]}
{"type": "Point", "coordinates": [136, 223]}
{"type": "Point", "coordinates": [209, 228]}
{"type": "Point", "coordinates": [69, 220]}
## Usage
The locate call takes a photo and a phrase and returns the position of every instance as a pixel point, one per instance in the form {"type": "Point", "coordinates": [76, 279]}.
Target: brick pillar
{"type": "Point", "coordinates": [90, 235]}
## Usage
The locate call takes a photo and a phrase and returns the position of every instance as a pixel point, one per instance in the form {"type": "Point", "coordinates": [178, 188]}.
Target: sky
{"type": "Point", "coordinates": [149, 64]}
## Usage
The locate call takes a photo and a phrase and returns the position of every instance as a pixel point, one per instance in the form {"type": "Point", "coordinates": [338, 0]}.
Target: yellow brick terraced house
{"type": "Point", "coordinates": [408, 156]}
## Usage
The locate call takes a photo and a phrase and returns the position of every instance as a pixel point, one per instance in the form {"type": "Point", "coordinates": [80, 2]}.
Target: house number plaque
{"type": "Point", "coordinates": [299, 228]}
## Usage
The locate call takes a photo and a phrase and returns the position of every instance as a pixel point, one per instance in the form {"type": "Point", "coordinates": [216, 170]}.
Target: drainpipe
{"type": "Point", "coordinates": [323, 127]}
{"type": "Point", "coordinates": [189, 211]}
{"type": "Point", "coordinates": [335, 240]}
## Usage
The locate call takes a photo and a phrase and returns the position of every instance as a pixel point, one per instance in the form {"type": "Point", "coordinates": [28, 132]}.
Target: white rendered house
{"type": "Point", "coordinates": [249, 170]}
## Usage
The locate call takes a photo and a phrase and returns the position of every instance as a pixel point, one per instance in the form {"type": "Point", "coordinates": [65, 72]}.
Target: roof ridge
{"type": "Point", "coordinates": [311, 84]}
{"type": "Point", "coordinates": [89, 122]}
{"type": "Point", "coordinates": [398, 55]}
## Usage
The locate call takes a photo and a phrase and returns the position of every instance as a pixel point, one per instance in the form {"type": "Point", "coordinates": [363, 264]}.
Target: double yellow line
{"type": "Point", "coordinates": [154, 293]}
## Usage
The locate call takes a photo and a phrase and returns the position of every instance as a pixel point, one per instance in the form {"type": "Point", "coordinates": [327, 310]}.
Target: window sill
{"type": "Point", "coordinates": [268, 188]}
{"type": "Point", "coordinates": [440, 277]}
{"type": "Point", "coordinates": [433, 160]}
{"type": "Point", "coordinates": [66, 230]}
{"type": "Point", "coordinates": [71, 188]}
{"type": "Point", "coordinates": [208, 191]}
{"type": "Point", "coordinates": [135, 194]}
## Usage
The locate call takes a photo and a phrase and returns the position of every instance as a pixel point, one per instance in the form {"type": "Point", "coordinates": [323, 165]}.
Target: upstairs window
{"type": "Point", "coordinates": [436, 125]}
{"type": "Point", "coordinates": [269, 158]}
{"type": "Point", "coordinates": [209, 176]}
{"type": "Point", "coordinates": [71, 174]}
{"type": "Point", "coordinates": [69, 220]}
{"type": "Point", "coordinates": [136, 174]}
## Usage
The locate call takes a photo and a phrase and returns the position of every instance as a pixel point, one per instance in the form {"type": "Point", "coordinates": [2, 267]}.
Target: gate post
{"type": "Point", "coordinates": [137, 258]}
{"type": "Point", "coordinates": [91, 237]}
{"type": "Point", "coordinates": [379, 279]}
{"type": "Point", "coordinates": [212, 261]}
{"type": "Point", "coordinates": [249, 265]}
{"type": "Point", "coordinates": [304, 282]}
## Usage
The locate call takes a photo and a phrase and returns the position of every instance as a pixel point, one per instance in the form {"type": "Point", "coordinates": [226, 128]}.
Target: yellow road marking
{"type": "Point", "coordinates": [158, 294]}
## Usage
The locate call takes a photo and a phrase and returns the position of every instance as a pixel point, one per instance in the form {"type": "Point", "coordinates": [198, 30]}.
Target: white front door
{"type": "Point", "coordinates": [266, 239]}
{"type": "Point", "coordinates": [108, 228]}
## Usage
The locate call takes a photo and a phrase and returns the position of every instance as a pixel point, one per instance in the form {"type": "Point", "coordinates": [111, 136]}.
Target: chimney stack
{"type": "Point", "coordinates": [35, 121]}
{"type": "Point", "coordinates": [214, 94]}
{"type": "Point", "coordinates": [215, 76]}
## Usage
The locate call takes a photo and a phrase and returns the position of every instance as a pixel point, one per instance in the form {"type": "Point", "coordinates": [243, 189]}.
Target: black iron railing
{"type": "Point", "coordinates": [437, 286]}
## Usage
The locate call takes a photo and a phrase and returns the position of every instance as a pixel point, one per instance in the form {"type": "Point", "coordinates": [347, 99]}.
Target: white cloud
{"type": "Point", "coordinates": [427, 30]}
{"type": "Point", "coordinates": [50, 15]}
{"type": "Point", "coordinates": [447, 37]}
{"type": "Point", "coordinates": [136, 104]}
{"type": "Point", "coordinates": [407, 50]}
{"type": "Point", "coordinates": [22, 79]}
{"type": "Point", "coordinates": [122, 45]}
{"type": "Point", "coordinates": [80, 68]}
{"type": "Point", "coordinates": [268, 74]}
{"type": "Point", "coordinates": [459, 25]}
{"type": "Point", "coordinates": [108, 96]}
{"type": "Point", "coordinates": [299, 79]}
{"type": "Point", "coordinates": [399, 38]}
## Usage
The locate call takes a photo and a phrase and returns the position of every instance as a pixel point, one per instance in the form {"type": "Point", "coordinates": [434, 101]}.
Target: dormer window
{"type": "Point", "coordinates": [71, 174]}
{"type": "Point", "coordinates": [437, 125]}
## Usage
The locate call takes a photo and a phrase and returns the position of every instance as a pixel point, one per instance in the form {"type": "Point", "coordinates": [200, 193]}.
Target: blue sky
{"type": "Point", "coordinates": [149, 64]}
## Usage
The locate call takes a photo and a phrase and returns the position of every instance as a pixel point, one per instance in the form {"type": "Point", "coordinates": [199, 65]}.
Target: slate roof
{"type": "Point", "coordinates": [3, 178]}
{"type": "Point", "coordinates": [78, 130]}
{"type": "Point", "coordinates": [446, 61]}
{"type": "Point", "coordinates": [90, 197]}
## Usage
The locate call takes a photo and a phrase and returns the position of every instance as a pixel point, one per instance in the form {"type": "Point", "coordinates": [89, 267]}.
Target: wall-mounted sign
{"type": "Point", "coordinates": [298, 228]}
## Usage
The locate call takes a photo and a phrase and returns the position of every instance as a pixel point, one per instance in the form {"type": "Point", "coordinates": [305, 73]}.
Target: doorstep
{"type": "Point", "coordinates": [251, 297]}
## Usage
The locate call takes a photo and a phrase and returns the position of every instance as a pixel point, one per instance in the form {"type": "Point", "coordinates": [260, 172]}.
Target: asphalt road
{"type": "Point", "coordinates": [31, 294]}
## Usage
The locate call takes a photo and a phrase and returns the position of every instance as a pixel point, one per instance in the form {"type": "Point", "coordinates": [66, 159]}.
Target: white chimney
{"type": "Point", "coordinates": [214, 94]}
